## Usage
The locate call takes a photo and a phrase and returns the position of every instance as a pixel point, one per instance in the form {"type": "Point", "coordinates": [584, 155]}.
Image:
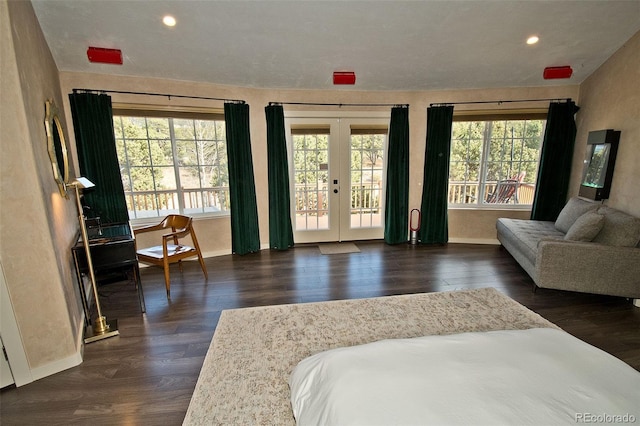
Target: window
{"type": "Point", "coordinates": [172, 164]}
{"type": "Point", "coordinates": [495, 161]}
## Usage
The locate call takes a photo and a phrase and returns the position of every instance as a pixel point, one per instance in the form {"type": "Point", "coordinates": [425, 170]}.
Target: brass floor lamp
{"type": "Point", "coordinates": [101, 329]}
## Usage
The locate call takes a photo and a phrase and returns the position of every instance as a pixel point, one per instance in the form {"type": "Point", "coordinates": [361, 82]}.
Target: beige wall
{"type": "Point", "coordinates": [479, 226]}
{"type": "Point", "coordinates": [37, 225]}
{"type": "Point", "coordinates": [214, 234]}
{"type": "Point", "coordinates": [610, 99]}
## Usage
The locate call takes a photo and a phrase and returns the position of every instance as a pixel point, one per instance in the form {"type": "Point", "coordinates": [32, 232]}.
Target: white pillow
{"type": "Point", "coordinates": [586, 227]}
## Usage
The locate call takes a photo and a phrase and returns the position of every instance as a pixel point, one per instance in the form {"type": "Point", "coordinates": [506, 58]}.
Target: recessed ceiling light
{"type": "Point", "coordinates": [533, 40]}
{"type": "Point", "coordinates": [169, 21]}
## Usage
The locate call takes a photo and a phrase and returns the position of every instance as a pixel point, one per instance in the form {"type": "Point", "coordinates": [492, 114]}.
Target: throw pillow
{"type": "Point", "coordinates": [574, 208]}
{"type": "Point", "coordinates": [620, 229]}
{"type": "Point", "coordinates": [586, 227]}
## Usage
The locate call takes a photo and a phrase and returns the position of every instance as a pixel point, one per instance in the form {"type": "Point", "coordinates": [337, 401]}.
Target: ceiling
{"type": "Point", "coordinates": [390, 45]}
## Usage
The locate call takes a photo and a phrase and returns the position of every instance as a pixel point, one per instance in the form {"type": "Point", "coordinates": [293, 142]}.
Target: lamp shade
{"type": "Point", "coordinates": [83, 183]}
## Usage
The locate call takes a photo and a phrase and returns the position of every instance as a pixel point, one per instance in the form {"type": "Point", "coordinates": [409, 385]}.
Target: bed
{"type": "Point", "coordinates": [506, 377]}
{"type": "Point", "coordinates": [247, 369]}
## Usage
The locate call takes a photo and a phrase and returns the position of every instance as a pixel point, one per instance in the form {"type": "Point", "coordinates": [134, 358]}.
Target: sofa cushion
{"type": "Point", "coordinates": [574, 208]}
{"type": "Point", "coordinates": [619, 229]}
{"type": "Point", "coordinates": [524, 235]}
{"type": "Point", "coordinates": [586, 227]}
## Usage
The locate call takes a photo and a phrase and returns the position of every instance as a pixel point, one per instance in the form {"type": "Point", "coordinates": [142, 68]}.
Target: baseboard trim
{"type": "Point", "coordinates": [57, 366]}
{"type": "Point", "coordinates": [64, 363]}
{"type": "Point", "coordinates": [216, 253]}
{"type": "Point", "coordinates": [80, 337]}
{"type": "Point", "coordinates": [490, 241]}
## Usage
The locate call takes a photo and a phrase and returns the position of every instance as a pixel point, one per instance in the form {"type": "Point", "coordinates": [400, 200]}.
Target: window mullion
{"type": "Point", "coordinates": [486, 145]}
{"type": "Point", "coordinates": [176, 165]}
{"type": "Point", "coordinates": [467, 161]}
{"type": "Point", "coordinates": [125, 146]}
{"type": "Point", "coordinates": [522, 140]}
{"type": "Point", "coordinates": [199, 160]}
{"type": "Point", "coordinates": [153, 175]}
{"type": "Point", "coordinates": [503, 151]}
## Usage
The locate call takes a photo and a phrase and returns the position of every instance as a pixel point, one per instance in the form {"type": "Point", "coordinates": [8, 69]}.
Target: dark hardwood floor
{"type": "Point", "coordinates": [146, 375]}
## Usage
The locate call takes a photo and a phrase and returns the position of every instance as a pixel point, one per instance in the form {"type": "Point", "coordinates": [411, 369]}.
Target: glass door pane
{"type": "Point", "coordinates": [362, 168]}
{"type": "Point", "coordinates": [367, 150]}
{"type": "Point", "coordinates": [311, 176]}
{"type": "Point", "coordinates": [314, 148]}
{"type": "Point", "coordinates": [337, 175]}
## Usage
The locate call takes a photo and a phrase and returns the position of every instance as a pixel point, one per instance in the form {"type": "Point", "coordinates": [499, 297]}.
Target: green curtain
{"type": "Point", "coordinates": [434, 226]}
{"type": "Point", "coordinates": [554, 171]}
{"type": "Point", "coordinates": [97, 156]}
{"type": "Point", "coordinates": [396, 213]}
{"type": "Point", "coordinates": [245, 236]}
{"type": "Point", "coordinates": [280, 230]}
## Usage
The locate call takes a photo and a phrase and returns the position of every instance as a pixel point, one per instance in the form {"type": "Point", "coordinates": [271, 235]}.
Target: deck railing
{"type": "Point", "coordinates": [313, 198]}
{"type": "Point", "coordinates": [309, 199]}
{"type": "Point", "coordinates": [193, 200]}
{"type": "Point", "coordinates": [467, 193]}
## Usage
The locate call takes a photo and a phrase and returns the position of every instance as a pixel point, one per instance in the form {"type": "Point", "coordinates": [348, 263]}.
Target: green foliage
{"type": "Point", "coordinates": [367, 151]}
{"type": "Point", "coordinates": [146, 155]}
{"type": "Point", "coordinates": [202, 153]}
{"type": "Point", "coordinates": [147, 163]}
{"type": "Point", "coordinates": [512, 147]}
{"type": "Point", "coordinates": [311, 158]}
{"type": "Point", "coordinates": [311, 162]}
{"type": "Point", "coordinates": [141, 145]}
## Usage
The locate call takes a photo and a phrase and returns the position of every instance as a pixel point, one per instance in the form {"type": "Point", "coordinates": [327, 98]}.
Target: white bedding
{"type": "Point", "coordinates": [539, 376]}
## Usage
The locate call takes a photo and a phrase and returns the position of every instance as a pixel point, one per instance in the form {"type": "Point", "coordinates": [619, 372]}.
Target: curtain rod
{"type": "Point", "coordinates": [500, 102]}
{"type": "Point", "coordinates": [338, 105]}
{"type": "Point", "coordinates": [239, 101]}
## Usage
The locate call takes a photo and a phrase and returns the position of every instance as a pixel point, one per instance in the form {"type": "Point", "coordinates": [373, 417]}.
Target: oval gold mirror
{"type": "Point", "coordinates": [57, 147]}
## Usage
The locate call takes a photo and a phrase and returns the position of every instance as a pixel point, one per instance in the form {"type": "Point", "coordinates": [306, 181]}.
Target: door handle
{"type": "Point", "coordinates": [335, 191]}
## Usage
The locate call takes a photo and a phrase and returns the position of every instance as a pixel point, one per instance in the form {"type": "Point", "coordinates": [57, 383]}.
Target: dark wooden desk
{"type": "Point", "coordinates": [112, 248]}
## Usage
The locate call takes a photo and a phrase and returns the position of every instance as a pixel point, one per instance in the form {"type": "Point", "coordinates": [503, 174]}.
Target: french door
{"type": "Point", "coordinates": [337, 175]}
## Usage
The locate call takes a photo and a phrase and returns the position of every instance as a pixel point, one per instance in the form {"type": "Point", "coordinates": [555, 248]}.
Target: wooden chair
{"type": "Point", "coordinates": [506, 189]}
{"type": "Point", "coordinates": [171, 251]}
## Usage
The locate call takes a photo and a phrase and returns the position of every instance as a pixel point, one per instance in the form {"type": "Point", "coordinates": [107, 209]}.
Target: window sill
{"type": "Point", "coordinates": [137, 223]}
{"type": "Point", "coordinates": [506, 207]}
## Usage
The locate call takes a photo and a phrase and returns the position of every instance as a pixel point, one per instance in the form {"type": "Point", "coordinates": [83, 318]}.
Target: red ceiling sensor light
{"type": "Point", "coordinates": [104, 55]}
{"type": "Point", "coordinates": [557, 72]}
{"type": "Point", "coordinates": [344, 77]}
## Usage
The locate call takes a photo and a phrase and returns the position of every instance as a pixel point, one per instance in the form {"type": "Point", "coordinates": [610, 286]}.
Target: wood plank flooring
{"type": "Point", "coordinates": [146, 375]}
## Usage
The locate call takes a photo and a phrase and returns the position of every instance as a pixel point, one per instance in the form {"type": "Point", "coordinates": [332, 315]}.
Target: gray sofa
{"type": "Point", "coordinates": [590, 248]}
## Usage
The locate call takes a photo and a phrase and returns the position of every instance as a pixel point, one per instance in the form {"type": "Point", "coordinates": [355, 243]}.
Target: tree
{"type": "Point", "coordinates": [311, 158]}
{"type": "Point", "coordinates": [146, 155]}
{"type": "Point", "coordinates": [202, 153]}
{"type": "Point", "coordinates": [140, 146]}
{"type": "Point", "coordinates": [367, 152]}
{"type": "Point", "coordinates": [513, 146]}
